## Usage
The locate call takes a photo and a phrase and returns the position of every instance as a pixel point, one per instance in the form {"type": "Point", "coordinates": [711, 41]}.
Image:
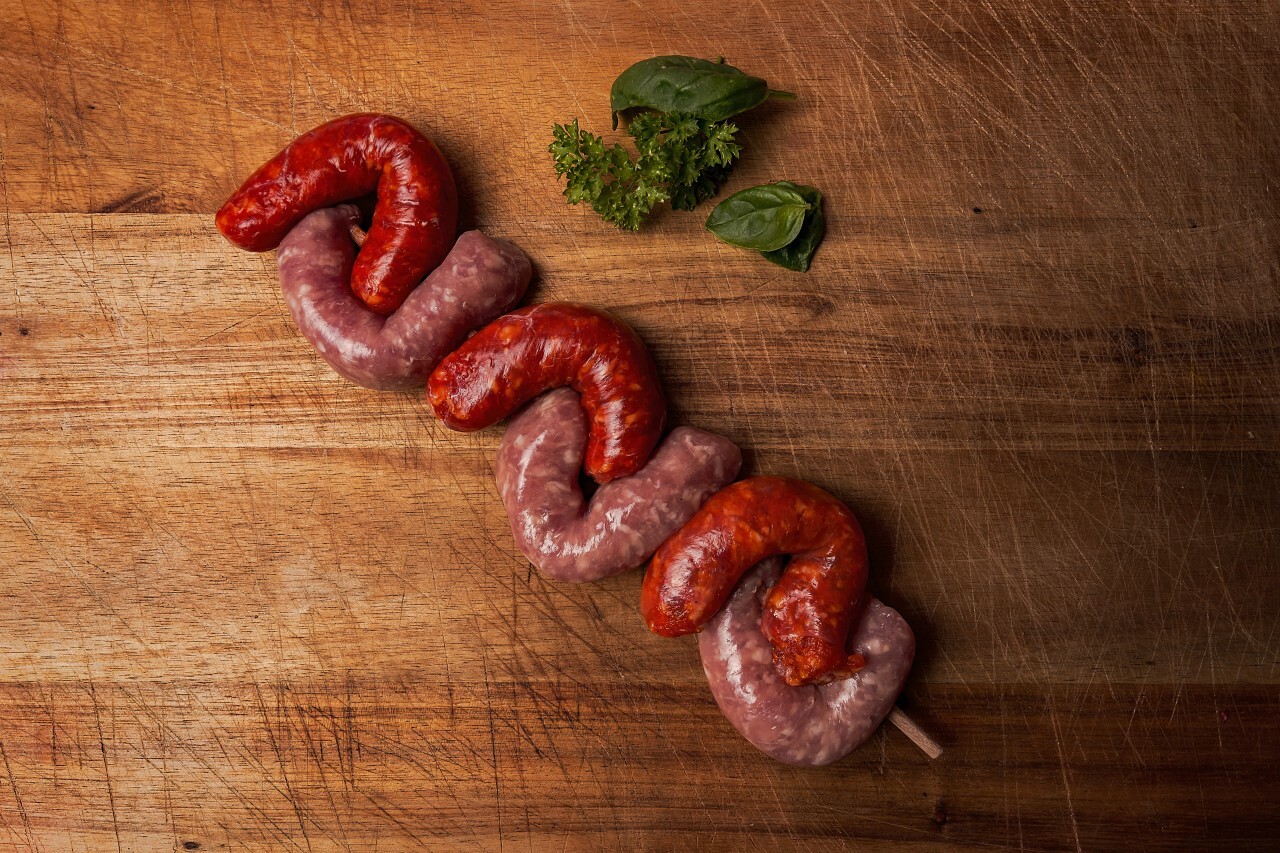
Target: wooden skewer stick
{"type": "Point", "coordinates": [908, 727]}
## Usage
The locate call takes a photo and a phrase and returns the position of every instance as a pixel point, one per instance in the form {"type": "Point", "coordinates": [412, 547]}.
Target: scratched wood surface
{"type": "Point", "coordinates": [245, 605]}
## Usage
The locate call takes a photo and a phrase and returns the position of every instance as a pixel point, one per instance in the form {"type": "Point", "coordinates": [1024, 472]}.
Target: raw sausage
{"type": "Point", "coordinates": [800, 660]}
{"type": "Point", "coordinates": [818, 723]}
{"type": "Point", "coordinates": [517, 357]}
{"type": "Point", "coordinates": [809, 612]}
{"type": "Point", "coordinates": [413, 224]}
{"type": "Point", "coordinates": [480, 278]}
{"type": "Point", "coordinates": [537, 469]}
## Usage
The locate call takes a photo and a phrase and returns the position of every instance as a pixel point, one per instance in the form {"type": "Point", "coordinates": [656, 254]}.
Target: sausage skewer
{"type": "Point", "coordinates": [800, 659]}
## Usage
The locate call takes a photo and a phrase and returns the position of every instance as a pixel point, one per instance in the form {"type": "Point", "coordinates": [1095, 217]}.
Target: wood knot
{"type": "Point", "coordinates": [145, 200]}
{"type": "Point", "coordinates": [191, 845]}
{"type": "Point", "coordinates": [1135, 347]}
{"type": "Point", "coordinates": [815, 303]}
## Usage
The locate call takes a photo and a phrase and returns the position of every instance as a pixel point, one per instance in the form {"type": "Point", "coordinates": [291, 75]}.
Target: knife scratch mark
{"type": "Point", "coordinates": [1066, 781]}
{"type": "Point", "coordinates": [106, 767]}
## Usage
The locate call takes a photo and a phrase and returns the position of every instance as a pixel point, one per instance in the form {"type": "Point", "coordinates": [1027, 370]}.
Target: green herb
{"type": "Point", "coordinates": [684, 144]}
{"type": "Point", "coordinates": [798, 254]}
{"type": "Point", "coordinates": [713, 91]}
{"type": "Point", "coordinates": [766, 217]}
{"type": "Point", "coordinates": [680, 159]}
{"type": "Point", "coordinates": [783, 221]}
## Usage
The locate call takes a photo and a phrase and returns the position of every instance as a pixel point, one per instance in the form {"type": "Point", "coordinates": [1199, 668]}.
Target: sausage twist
{"type": "Point", "coordinates": [814, 724]}
{"type": "Point", "coordinates": [414, 221]}
{"type": "Point", "coordinates": [808, 613]}
{"type": "Point", "coordinates": [569, 539]}
{"type": "Point", "coordinates": [480, 278]}
{"type": "Point", "coordinates": [551, 345]}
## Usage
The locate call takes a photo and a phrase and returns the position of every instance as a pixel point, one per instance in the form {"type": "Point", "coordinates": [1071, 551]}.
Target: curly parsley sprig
{"type": "Point", "coordinates": [679, 158]}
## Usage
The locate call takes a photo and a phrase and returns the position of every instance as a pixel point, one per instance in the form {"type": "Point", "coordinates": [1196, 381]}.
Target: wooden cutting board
{"type": "Point", "coordinates": [247, 605]}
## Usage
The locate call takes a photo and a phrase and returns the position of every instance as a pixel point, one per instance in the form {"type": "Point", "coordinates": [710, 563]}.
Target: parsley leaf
{"type": "Point", "coordinates": [679, 158]}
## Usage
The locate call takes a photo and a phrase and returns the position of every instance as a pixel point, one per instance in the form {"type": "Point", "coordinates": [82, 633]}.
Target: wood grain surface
{"type": "Point", "coordinates": [245, 605]}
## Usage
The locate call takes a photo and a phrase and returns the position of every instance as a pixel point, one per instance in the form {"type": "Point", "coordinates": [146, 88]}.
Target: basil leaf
{"type": "Point", "coordinates": [766, 217]}
{"type": "Point", "coordinates": [797, 254]}
{"type": "Point", "coordinates": [713, 91]}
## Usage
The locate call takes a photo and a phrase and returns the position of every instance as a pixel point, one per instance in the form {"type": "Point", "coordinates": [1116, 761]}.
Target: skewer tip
{"type": "Point", "coordinates": [918, 736]}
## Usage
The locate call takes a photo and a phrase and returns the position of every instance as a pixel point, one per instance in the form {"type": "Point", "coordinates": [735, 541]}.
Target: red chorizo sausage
{"type": "Point", "coordinates": [414, 223]}
{"type": "Point", "coordinates": [520, 355]}
{"type": "Point", "coordinates": [808, 614]}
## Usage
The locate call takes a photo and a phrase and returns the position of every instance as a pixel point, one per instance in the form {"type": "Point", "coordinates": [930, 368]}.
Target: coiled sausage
{"type": "Point", "coordinates": [814, 724]}
{"type": "Point", "coordinates": [414, 222]}
{"type": "Point", "coordinates": [537, 469]}
{"type": "Point", "coordinates": [480, 278]}
{"type": "Point", "coordinates": [517, 357]}
{"type": "Point", "coordinates": [808, 613]}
